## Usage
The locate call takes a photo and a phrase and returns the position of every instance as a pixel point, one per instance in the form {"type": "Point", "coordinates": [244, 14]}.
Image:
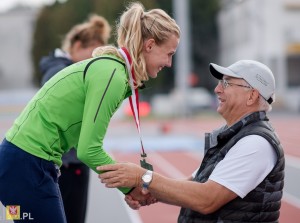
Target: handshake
{"type": "Point", "coordinates": [132, 176]}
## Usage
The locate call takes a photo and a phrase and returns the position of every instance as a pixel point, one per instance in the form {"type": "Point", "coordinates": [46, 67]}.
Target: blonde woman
{"type": "Point", "coordinates": [77, 45]}
{"type": "Point", "coordinates": [74, 108]}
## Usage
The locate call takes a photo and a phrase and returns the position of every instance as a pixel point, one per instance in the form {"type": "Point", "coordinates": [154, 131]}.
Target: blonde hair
{"type": "Point", "coordinates": [96, 29]}
{"type": "Point", "coordinates": [137, 25]}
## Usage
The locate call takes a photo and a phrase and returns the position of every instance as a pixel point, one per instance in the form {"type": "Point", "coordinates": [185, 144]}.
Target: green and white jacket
{"type": "Point", "coordinates": [73, 109]}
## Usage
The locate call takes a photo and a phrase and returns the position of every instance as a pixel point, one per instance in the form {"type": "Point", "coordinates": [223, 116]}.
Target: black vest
{"type": "Point", "coordinates": [261, 204]}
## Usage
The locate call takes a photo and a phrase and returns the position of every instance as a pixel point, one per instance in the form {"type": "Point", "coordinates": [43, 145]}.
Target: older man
{"type": "Point", "coordinates": [241, 176]}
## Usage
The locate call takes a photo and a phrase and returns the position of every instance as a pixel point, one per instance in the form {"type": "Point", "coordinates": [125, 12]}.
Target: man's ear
{"type": "Point", "coordinates": [149, 44]}
{"type": "Point", "coordinates": [253, 97]}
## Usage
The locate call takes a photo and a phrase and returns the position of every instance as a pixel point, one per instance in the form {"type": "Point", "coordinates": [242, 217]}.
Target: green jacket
{"type": "Point", "coordinates": [73, 109]}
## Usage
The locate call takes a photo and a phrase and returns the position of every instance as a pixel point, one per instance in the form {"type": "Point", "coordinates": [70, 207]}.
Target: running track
{"type": "Point", "coordinates": [179, 163]}
{"type": "Point", "coordinates": [173, 148]}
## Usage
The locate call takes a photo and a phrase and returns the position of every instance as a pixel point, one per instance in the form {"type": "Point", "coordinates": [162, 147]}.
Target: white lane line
{"type": "Point", "coordinates": [168, 168]}
{"type": "Point", "coordinates": [291, 199]}
{"type": "Point", "coordinates": [292, 161]}
{"type": "Point", "coordinates": [132, 214]}
{"type": "Point", "coordinates": [198, 156]}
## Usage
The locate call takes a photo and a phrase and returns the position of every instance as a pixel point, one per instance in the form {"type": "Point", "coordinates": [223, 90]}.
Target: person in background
{"type": "Point", "coordinates": [77, 45]}
{"type": "Point", "coordinates": [241, 176]}
{"type": "Point", "coordinates": [74, 109]}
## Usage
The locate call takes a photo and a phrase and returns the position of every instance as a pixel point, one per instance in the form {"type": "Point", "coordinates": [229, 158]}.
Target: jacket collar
{"type": "Point", "coordinates": [225, 133]}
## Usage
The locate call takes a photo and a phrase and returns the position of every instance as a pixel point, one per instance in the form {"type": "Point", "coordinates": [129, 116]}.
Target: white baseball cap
{"type": "Point", "coordinates": [258, 76]}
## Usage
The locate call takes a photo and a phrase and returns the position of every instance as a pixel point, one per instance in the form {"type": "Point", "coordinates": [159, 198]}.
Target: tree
{"type": "Point", "coordinates": [54, 21]}
{"type": "Point", "coordinates": [204, 36]}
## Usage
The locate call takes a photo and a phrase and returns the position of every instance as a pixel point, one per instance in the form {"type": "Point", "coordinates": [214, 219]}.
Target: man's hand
{"type": "Point", "coordinates": [127, 175]}
{"type": "Point", "coordinates": [121, 175]}
{"type": "Point", "coordinates": [138, 198]}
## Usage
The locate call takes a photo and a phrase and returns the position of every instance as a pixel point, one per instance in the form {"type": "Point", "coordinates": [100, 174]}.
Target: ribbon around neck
{"type": "Point", "coordinates": [134, 98]}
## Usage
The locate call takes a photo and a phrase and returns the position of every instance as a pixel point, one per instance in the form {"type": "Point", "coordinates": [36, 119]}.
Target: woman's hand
{"type": "Point", "coordinates": [138, 198]}
{"type": "Point", "coordinates": [134, 204]}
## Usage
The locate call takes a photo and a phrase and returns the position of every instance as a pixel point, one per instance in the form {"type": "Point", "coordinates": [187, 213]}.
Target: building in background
{"type": "Point", "coordinates": [267, 31]}
{"type": "Point", "coordinates": [16, 27]}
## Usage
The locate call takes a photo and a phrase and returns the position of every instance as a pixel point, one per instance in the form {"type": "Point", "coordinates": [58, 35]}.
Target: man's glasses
{"type": "Point", "coordinates": [225, 84]}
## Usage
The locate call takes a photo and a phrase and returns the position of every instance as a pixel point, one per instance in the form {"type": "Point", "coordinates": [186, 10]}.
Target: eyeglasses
{"type": "Point", "coordinates": [225, 84]}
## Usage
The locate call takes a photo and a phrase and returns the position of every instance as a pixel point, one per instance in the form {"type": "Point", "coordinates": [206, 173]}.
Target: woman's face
{"type": "Point", "coordinates": [159, 56]}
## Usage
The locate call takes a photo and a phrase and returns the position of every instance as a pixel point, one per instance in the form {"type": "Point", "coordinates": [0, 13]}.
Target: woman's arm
{"type": "Point", "coordinates": [105, 86]}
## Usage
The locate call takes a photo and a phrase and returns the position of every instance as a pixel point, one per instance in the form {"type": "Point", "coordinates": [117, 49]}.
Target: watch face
{"type": "Point", "coordinates": [146, 178]}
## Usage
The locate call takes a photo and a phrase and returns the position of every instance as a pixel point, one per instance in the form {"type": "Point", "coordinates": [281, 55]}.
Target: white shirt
{"type": "Point", "coordinates": [245, 166]}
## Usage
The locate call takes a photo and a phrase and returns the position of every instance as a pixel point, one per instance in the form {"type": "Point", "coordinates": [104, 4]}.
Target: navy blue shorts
{"type": "Point", "coordinates": [30, 184]}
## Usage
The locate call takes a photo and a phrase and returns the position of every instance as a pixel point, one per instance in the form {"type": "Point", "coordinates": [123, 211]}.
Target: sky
{"type": "Point", "coordinates": [8, 4]}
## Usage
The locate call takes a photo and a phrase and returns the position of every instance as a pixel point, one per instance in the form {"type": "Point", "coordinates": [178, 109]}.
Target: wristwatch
{"type": "Point", "coordinates": [147, 178]}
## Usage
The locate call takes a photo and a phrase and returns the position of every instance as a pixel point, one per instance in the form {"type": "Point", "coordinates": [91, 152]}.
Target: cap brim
{"type": "Point", "coordinates": [218, 71]}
